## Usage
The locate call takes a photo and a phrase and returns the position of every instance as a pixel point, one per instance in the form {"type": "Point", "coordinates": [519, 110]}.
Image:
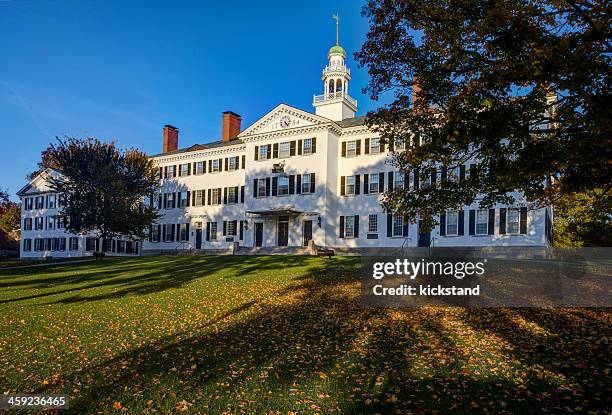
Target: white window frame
{"type": "Point", "coordinates": [516, 223]}
{"type": "Point", "coordinates": [182, 203]}
{"type": "Point", "coordinates": [261, 188]}
{"type": "Point", "coordinates": [169, 235]}
{"type": "Point", "coordinates": [373, 183]}
{"type": "Point", "coordinates": [50, 223]}
{"type": "Point", "coordinates": [424, 180]}
{"type": "Point", "coordinates": [73, 243]}
{"type": "Point", "coordinates": [183, 232]}
{"type": "Point", "coordinates": [184, 169]}
{"type": "Point", "coordinates": [373, 223]}
{"type": "Point", "coordinates": [155, 237]}
{"type": "Point", "coordinates": [232, 195]}
{"type": "Point", "coordinates": [452, 227]}
{"type": "Point", "coordinates": [307, 146]}
{"type": "Point", "coordinates": [215, 166]}
{"type": "Point", "coordinates": [398, 179]}
{"type": "Point", "coordinates": [263, 153]}
{"type": "Point", "coordinates": [213, 231]}
{"type": "Point", "coordinates": [375, 149]}
{"type": "Point", "coordinates": [171, 171]}
{"type": "Point", "coordinates": [215, 193]}
{"type": "Point", "coordinates": [351, 148]}
{"type": "Point", "coordinates": [232, 164]}
{"type": "Point", "coordinates": [232, 228]}
{"type": "Point", "coordinates": [200, 166]}
{"type": "Point", "coordinates": [350, 185]}
{"type": "Point", "coordinates": [398, 224]}
{"type": "Point", "coordinates": [282, 186]}
{"type": "Point", "coordinates": [200, 197]}
{"type": "Point", "coordinates": [349, 231]}
{"type": "Point", "coordinates": [284, 150]}
{"type": "Point", "coordinates": [399, 144]}
{"type": "Point", "coordinates": [169, 200]}
{"type": "Point", "coordinates": [305, 183]}
{"type": "Point", "coordinates": [39, 223]}
{"type": "Point", "coordinates": [51, 201]}
{"type": "Point", "coordinates": [479, 214]}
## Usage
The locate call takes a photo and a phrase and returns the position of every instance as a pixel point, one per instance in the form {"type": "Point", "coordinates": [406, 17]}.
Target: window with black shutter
{"type": "Point", "coordinates": [312, 182]}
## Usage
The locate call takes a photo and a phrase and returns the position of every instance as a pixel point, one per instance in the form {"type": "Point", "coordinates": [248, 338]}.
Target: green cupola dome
{"type": "Point", "coordinates": [336, 49]}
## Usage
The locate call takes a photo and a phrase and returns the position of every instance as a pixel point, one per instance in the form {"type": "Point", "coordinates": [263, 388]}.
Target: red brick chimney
{"type": "Point", "coordinates": [170, 138]}
{"type": "Point", "coordinates": [231, 126]}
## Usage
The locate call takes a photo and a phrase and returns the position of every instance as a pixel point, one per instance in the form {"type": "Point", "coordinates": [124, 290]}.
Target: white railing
{"type": "Point", "coordinates": [339, 68]}
{"type": "Point", "coordinates": [334, 95]}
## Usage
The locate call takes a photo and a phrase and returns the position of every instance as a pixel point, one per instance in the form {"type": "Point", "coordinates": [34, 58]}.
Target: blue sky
{"type": "Point", "coordinates": [121, 70]}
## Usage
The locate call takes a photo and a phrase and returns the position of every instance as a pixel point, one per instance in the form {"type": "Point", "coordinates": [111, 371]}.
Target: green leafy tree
{"type": "Point", "coordinates": [486, 72]}
{"type": "Point", "coordinates": [583, 219]}
{"type": "Point", "coordinates": [10, 216]}
{"type": "Point", "coordinates": [102, 187]}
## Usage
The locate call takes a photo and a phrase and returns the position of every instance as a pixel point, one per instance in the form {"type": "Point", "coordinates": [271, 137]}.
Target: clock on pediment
{"type": "Point", "coordinates": [285, 121]}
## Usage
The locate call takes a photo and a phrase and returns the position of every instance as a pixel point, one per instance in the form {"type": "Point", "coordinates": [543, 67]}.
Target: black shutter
{"type": "Point", "coordinates": [344, 149]}
{"type": "Point", "coordinates": [189, 169]}
{"type": "Point", "coordinates": [165, 200]}
{"type": "Point", "coordinates": [210, 165]}
{"type": "Point", "coordinates": [502, 221]}
{"type": "Point", "coordinates": [366, 150]}
{"type": "Point", "coordinates": [150, 233]}
{"type": "Point", "coordinates": [298, 184]}
{"type": "Point", "coordinates": [358, 148]}
{"type": "Point", "coordinates": [224, 227]}
{"type": "Point", "coordinates": [187, 231]}
{"type": "Point", "coordinates": [391, 146]}
{"type": "Point", "coordinates": [365, 184]}
{"type": "Point", "coordinates": [405, 227]}
{"type": "Point", "coordinates": [356, 231]}
{"type": "Point", "coordinates": [381, 182]}
{"type": "Point", "coordinates": [243, 165]}
{"type": "Point", "coordinates": [173, 230]}
{"type": "Point", "coordinates": [341, 232]}
{"type": "Point", "coordinates": [174, 199]}
{"type": "Point", "coordinates": [291, 183]}
{"type": "Point", "coordinates": [407, 181]}
{"type": "Point", "coordinates": [357, 184]}
{"type": "Point", "coordinates": [342, 185]}
{"type": "Point", "coordinates": [382, 145]}
{"type": "Point", "coordinates": [443, 171]}
{"type": "Point", "coordinates": [164, 236]}
{"type": "Point", "coordinates": [225, 195]}
{"type": "Point", "coordinates": [235, 222]}
{"type": "Point", "coordinates": [389, 225]}
{"type": "Point", "coordinates": [299, 147]}
{"type": "Point", "coordinates": [204, 167]}
{"type": "Point", "coordinates": [491, 221]}
{"type": "Point", "coordinates": [275, 151]}
{"type": "Point", "coordinates": [180, 173]}
{"type": "Point", "coordinates": [254, 187]}
{"type": "Point", "coordinates": [390, 181]}
{"type": "Point", "coordinates": [443, 224]}
{"type": "Point", "coordinates": [312, 182]}
{"type": "Point", "coordinates": [268, 186]}
{"type": "Point", "coordinates": [462, 172]}
{"type": "Point", "coordinates": [241, 194]}
{"type": "Point", "coordinates": [292, 148]}
{"type": "Point", "coordinates": [188, 197]}
{"type": "Point", "coordinates": [256, 152]}
{"type": "Point", "coordinates": [159, 201]}
{"type": "Point", "coordinates": [461, 223]}
{"type": "Point", "coordinates": [209, 198]}
{"type": "Point", "coordinates": [314, 145]}
{"type": "Point", "coordinates": [434, 178]}
{"type": "Point", "coordinates": [241, 230]}
{"type": "Point", "coordinates": [165, 172]}
{"type": "Point", "coordinates": [269, 152]}
{"type": "Point", "coordinates": [236, 196]}
{"type": "Point", "coordinates": [193, 198]}
{"type": "Point", "coordinates": [472, 222]}
{"type": "Point", "coordinates": [225, 168]}
{"type": "Point", "coordinates": [208, 231]}
{"type": "Point", "coordinates": [523, 223]}
{"type": "Point", "coordinates": [416, 178]}
{"type": "Point", "coordinates": [219, 197]}
{"type": "Point", "coordinates": [178, 232]}
{"type": "Point", "coordinates": [274, 185]}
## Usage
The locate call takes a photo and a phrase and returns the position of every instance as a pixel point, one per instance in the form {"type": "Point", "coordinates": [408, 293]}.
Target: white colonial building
{"type": "Point", "coordinates": [290, 178]}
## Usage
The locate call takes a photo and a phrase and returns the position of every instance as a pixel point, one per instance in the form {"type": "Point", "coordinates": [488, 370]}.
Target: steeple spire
{"type": "Point", "coordinates": [337, 19]}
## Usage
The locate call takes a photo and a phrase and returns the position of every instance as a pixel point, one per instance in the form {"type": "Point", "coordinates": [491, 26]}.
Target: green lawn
{"type": "Point", "coordinates": [280, 335]}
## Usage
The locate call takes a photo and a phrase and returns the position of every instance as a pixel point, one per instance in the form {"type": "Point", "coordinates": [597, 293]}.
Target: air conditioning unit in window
{"type": "Point", "coordinates": [278, 168]}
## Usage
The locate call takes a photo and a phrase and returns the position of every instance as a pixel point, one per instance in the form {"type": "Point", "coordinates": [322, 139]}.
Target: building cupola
{"type": "Point", "coordinates": [335, 103]}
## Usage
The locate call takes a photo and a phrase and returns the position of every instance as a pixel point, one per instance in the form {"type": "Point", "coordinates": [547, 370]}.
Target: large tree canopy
{"type": "Point", "coordinates": [102, 187]}
{"type": "Point", "coordinates": [489, 74]}
{"type": "Point", "coordinates": [10, 216]}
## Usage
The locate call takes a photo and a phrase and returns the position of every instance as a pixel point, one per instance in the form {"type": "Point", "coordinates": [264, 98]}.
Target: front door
{"type": "Point", "coordinates": [258, 234]}
{"type": "Point", "coordinates": [307, 232]}
{"type": "Point", "coordinates": [283, 231]}
{"type": "Point", "coordinates": [198, 239]}
{"type": "Point", "coordinates": [424, 237]}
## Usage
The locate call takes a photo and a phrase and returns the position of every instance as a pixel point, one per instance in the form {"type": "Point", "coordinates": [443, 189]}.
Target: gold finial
{"type": "Point", "coordinates": [337, 19]}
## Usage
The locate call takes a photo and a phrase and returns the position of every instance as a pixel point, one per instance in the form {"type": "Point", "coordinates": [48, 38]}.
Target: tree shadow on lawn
{"type": "Point", "coordinates": [138, 277]}
{"type": "Point", "coordinates": [314, 349]}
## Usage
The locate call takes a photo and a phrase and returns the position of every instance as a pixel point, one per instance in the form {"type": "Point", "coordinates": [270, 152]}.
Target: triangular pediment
{"type": "Point", "coordinates": [38, 184]}
{"type": "Point", "coordinates": [283, 117]}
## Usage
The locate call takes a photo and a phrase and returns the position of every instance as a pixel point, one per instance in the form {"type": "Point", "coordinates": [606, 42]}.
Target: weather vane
{"type": "Point", "coordinates": [337, 19]}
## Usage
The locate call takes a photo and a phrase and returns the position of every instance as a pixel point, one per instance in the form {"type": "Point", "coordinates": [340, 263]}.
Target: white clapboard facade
{"type": "Point", "coordinates": [290, 178]}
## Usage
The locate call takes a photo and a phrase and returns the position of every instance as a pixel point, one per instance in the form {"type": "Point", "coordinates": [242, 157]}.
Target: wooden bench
{"type": "Point", "coordinates": [325, 252]}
